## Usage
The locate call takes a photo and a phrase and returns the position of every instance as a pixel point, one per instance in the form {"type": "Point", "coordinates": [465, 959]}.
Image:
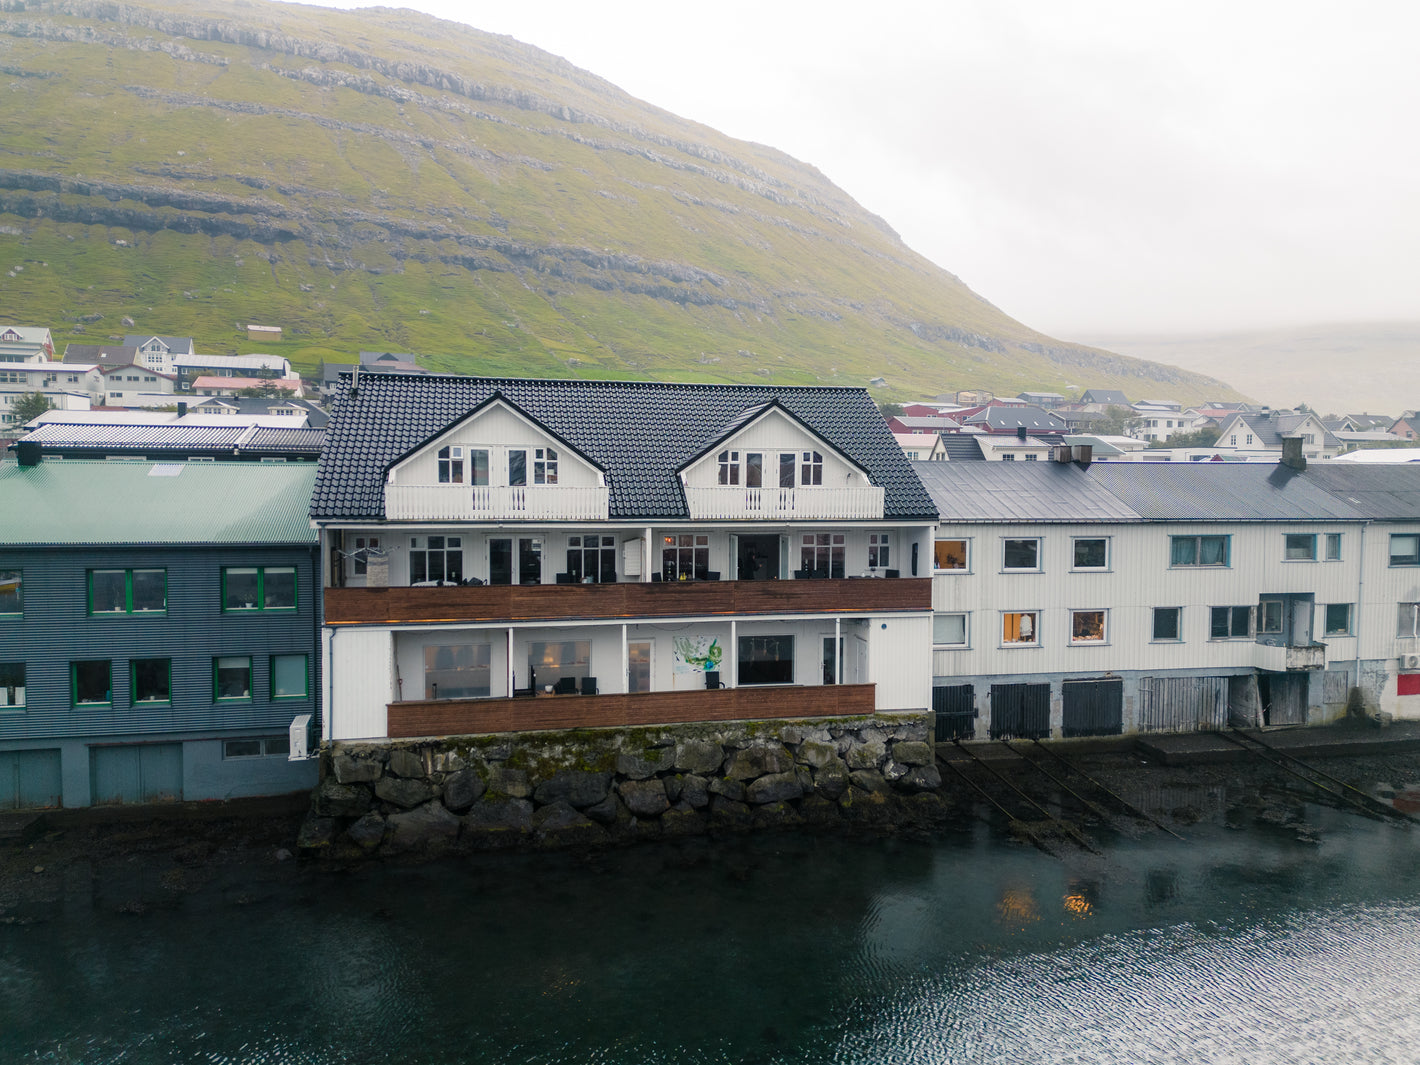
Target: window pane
{"type": "Point", "coordinates": [12, 684]}
{"type": "Point", "coordinates": [1301, 546]}
{"type": "Point", "coordinates": [1338, 619]}
{"type": "Point", "coordinates": [754, 470]}
{"type": "Point", "coordinates": [279, 589]}
{"type": "Point", "coordinates": [1087, 626]}
{"type": "Point", "coordinates": [1166, 622]}
{"type": "Point", "coordinates": [1271, 619]}
{"type": "Point", "coordinates": [1018, 628]}
{"type": "Point", "coordinates": [1218, 623]}
{"type": "Point", "coordinates": [150, 589]}
{"type": "Point", "coordinates": [949, 630]}
{"type": "Point", "coordinates": [786, 470]}
{"type": "Point", "coordinates": [241, 585]}
{"type": "Point", "coordinates": [517, 467]}
{"type": "Point", "coordinates": [1405, 550]}
{"type": "Point", "coordinates": [478, 462]}
{"type": "Point", "coordinates": [152, 680]}
{"type": "Point", "coordinates": [766, 659]}
{"type": "Point", "coordinates": [1021, 554]}
{"type": "Point", "coordinates": [1184, 551]}
{"type": "Point", "coordinates": [1213, 551]}
{"type": "Point", "coordinates": [1333, 547]}
{"type": "Point", "coordinates": [1405, 623]}
{"type": "Point", "coordinates": [241, 749]}
{"type": "Point", "coordinates": [288, 676]}
{"type": "Point", "coordinates": [457, 672]}
{"type": "Point", "coordinates": [93, 682]}
{"type": "Point", "coordinates": [277, 746]}
{"type": "Point", "coordinates": [11, 591]}
{"type": "Point", "coordinates": [1242, 618]}
{"type": "Point", "coordinates": [1090, 554]}
{"type": "Point", "coordinates": [949, 554]}
{"type": "Point", "coordinates": [554, 661]}
{"type": "Point", "coordinates": [108, 591]}
{"type": "Point", "coordinates": [234, 677]}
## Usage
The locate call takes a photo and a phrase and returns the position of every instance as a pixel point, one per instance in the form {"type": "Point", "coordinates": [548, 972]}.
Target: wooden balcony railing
{"type": "Point", "coordinates": [544, 602]}
{"type": "Point", "coordinates": [806, 504]}
{"type": "Point", "coordinates": [475, 716]}
{"type": "Point", "coordinates": [463, 502]}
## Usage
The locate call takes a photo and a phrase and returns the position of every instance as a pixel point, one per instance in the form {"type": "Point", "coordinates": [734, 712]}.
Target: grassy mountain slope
{"type": "Point", "coordinates": [384, 180]}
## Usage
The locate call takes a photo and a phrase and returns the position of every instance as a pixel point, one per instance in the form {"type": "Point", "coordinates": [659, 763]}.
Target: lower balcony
{"type": "Point", "coordinates": [520, 602]}
{"type": "Point", "coordinates": [1291, 659]}
{"type": "Point", "coordinates": [458, 717]}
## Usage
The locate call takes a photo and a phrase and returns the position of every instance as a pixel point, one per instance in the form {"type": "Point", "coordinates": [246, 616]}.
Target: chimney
{"type": "Point", "coordinates": [1061, 454]}
{"type": "Point", "coordinates": [27, 453]}
{"type": "Point", "coordinates": [1084, 453]}
{"type": "Point", "coordinates": [182, 408]}
{"type": "Point", "coordinates": [1021, 433]}
{"type": "Point", "coordinates": [1292, 453]}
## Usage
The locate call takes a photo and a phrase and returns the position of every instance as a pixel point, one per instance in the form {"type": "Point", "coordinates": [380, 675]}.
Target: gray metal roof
{"type": "Point", "coordinates": [83, 502]}
{"type": "Point", "coordinates": [962, 447]}
{"type": "Point", "coordinates": [1219, 491]}
{"type": "Point", "coordinates": [176, 437]}
{"type": "Point", "coordinates": [641, 433]}
{"type": "Point", "coordinates": [1019, 492]}
{"type": "Point", "coordinates": [1389, 492]}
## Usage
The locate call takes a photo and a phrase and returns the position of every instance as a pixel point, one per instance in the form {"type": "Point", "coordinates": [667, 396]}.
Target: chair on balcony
{"type": "Point", "coordinates": [711, 575]}
{"type": "Point", "coordinates": [565, 686]}
{"type": "Point", "coordinates": [564, 578]}
{"type": "Point", "coordinates": [712, 679]}
{"type": "Point", "coordinates": [892, 573]}
{"type": "Point", "coordinates": [589, 685]}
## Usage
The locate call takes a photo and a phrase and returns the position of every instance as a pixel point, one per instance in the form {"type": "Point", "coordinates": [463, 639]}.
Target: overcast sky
{"type": "Point", "coordinates": [1089, 166]}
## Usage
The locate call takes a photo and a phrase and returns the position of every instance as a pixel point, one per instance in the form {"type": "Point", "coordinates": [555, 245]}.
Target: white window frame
{"type": "Point", "coordinates": [1299, 542]}
{"type": "Point", "coordinates": [965, 641]}
{"type": "Point", "coordinates": [1178, 625]}
{"type": "Point", "coordinates": [966, 547]}
{"type": "Point", "coordinates": [1036, 540]}
{"type": "Point", "coordinates": [1074, 545]}
{"type": "Point", "coordinates": [1082, 641]}
{"type": "Point", "coordinates": [1034, 640]}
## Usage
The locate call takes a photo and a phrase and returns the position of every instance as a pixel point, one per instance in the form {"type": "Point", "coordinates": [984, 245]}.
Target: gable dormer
{"type": "Point", "coordinates": [498, 463]}
{"type": "Point", "coordinates": [768, 464]}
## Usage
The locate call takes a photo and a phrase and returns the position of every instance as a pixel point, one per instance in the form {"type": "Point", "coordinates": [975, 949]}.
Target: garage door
{"type": "Point", "coordinates": [29, 780]}
{"type": "Point", "coordinates": [1020, 711]}
{"type": "Point", "coordinates": [1092, 707]}
{"type": "Point", "coordinates": [146, 772]}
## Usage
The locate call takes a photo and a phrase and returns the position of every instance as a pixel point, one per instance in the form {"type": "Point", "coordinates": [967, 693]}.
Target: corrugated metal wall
{"type": "Point", "coordinates": [1182, 704]}
{"type": "Point", "coordinates": [1020, 711]}
{"type": "Point", "coordinates": [30, 779]}
{"type": "Point", "coordinates": [362, 673]}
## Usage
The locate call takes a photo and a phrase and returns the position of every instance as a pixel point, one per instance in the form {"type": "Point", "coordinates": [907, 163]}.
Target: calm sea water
{"type": "Point", "coordinates": [1248, 945]}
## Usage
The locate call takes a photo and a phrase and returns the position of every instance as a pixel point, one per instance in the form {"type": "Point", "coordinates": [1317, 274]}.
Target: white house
{"type": "Point", "coordinates": [25, 343]}
{"type": "Point", "coordinates": [1262, 432]}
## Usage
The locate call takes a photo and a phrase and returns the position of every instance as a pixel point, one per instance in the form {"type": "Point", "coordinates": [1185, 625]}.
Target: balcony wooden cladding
{"type": "Point", "coordinates": [543, 602]}
{"type": "Point", "coordinates": [475, 716]}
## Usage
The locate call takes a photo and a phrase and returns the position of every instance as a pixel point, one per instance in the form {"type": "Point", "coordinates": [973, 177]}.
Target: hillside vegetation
{"type": "Point", "coordinates": [385, 180]}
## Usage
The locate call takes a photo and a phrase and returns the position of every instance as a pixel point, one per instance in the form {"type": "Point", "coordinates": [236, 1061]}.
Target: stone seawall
{"type": "Point", "coordinates": [591, 787]}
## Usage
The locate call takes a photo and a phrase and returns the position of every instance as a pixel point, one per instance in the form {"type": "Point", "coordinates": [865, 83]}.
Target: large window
{"type": "Point", "coordinates": [1404, 549]}
{"type": "Point", "coordinates": [435, 559]}
{"type": "Point", "coordinates": [478, 465]}
{"type": "Point", "coordinates": [1198, 550]}
{"type": "Point", "coordinates": [1230, 622]}
{"type": "Point", "coordinates": [517, 468]}
{"type": "Point", "coordinates": [12, 591]}
{"type": "Point", "coordinates": [1020, 628]}
{"type": "Point", "coordinates": [1020, 555]}
{"type": "Point", "coordinates": [128, 591]}
{"type": "Point", "coordinates": [258, 588]}
{"type": "Point", "coordinates": [821, 554]}
{"type": "Point", "coordinates": [92, 682]}
{"type": "Point", "coordinates": [1167, 623]}
{"type": "Point", "coordinates": [1338, 619]}
{"type": "Point", "coordinates": [685, 556]}
{"type": "Point", "coordinates": [12, 685]}
{"type": "Point", "coordinates": [1087, 626]}
{"type": "Point", "coordinates": [289, 677]}
{"type": "Point", "coordinates": [458, 671]}
{"type": "Point", "coordinates": [766, 660]}
{"type": "Point", "coordinates": [559, 660]}
{"type": "Point", "coordinates": [1091, 553]}
{"type": "Point", "coordinates": [451, 465]}
{"type": "Point", "coordinates": [592, 559]}
{"type": "Point", "coordinates": [754, 469]}
{"type": "Point", "coordinates": [786, 469]}
{"type": "Point", "coordinates": [1299, 547]}
{"type": "Point", "coordinates": [152, 680]}
{"type": "Point", "coordinates": [949, 630]}
{"type": "Point", "coordinates": [1408, 620]}
{"type": "Point", "coordinates": [948, 555]}
{"type": "Point", "coordinates": [231, 677]}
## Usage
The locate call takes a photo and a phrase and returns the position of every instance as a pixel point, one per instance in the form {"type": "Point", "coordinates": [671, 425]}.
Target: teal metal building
{"type": "Point", "coordinates": [158, 630]}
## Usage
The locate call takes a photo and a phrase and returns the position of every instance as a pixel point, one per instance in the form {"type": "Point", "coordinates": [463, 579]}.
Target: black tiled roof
{"type": "Point", "coordinates": [641, 433]}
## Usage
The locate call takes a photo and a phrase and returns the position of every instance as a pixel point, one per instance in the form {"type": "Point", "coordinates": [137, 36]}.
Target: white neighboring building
{"type": "Point", "coordinates": [136, 386]}
{"type": "Point", "coordinates": [921, 447]}
{"type": "Point", "coordinates": [1260, 433]}
{"type": "Point", "coordinates": [66, 385]}
{"type": "Point", "coordinates": [159, 353]}
{"type": "Point", "coordinates": [25, 343]}
{"type": "Point", "coordinates": [190, 367]}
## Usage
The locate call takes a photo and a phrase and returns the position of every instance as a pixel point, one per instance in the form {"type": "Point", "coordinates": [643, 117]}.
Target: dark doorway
{"type": "Point", "coordinates": [758, 558]}
{"type": "Point", "coordinates": [530, 561]}
{"type": "Point", "coordinates": [1283, 697]}
{"type": "Point", "coordinates": [500, 561]}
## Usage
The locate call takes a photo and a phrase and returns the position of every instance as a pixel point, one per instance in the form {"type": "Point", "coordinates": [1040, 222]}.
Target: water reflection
{"type": "Point", "coordinates": [1242, 944]}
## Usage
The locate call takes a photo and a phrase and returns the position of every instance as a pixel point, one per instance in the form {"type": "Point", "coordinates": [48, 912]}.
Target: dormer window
{"type": "Point", "coordinates": [729, 467]}
{"type": "Point", "coordinates": [544, 465]}
{"type": "Point", "coordinates": [451, 465]}
{"type": "Point", "coordinates": [811, 471]}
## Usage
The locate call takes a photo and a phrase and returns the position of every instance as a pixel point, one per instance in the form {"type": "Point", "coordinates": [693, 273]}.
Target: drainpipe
{"type": "Point", "coordinates": [838, 647]}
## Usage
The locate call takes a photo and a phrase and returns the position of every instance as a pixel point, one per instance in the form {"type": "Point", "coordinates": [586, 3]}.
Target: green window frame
{"type": "Point", "coordinates": [151, 681]}
{"type": "Point", "coordinates": [12, 592]}
{"type": "Point", "coordinates": [231, 679]}
{"type": "Point", "coordinates": [253, 589]}
{"type": "Point", "coordinates": [85, 679]}
{"type": "Point", "coordinates": [286, 670]}
{"type": "Point", "coordinates": [138, 590]}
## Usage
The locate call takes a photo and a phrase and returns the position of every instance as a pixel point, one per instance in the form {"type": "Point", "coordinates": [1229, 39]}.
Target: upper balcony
{"type": "Point", "coordinates": [664, 599]}
{"type": "Point", "coordinates": [802, 504]}
{"type": "Point", "coordinates": [462, 502]}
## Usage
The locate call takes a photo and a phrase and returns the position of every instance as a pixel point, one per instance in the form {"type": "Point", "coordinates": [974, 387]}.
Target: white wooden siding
{"type": "Point", "coordinates": [362, 683]}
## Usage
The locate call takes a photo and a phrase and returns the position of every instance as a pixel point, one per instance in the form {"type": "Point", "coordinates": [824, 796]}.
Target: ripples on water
{"type": "Point", "coordinates": [1237, 947]}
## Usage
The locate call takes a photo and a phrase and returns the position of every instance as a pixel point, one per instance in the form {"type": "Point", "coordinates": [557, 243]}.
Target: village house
{"type": "Point", "coordinates": [665, 552]}
{"type": "Point", "coordinates": [1260, 434]}
{"type": "Point", "coordinates": [25, 343]}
